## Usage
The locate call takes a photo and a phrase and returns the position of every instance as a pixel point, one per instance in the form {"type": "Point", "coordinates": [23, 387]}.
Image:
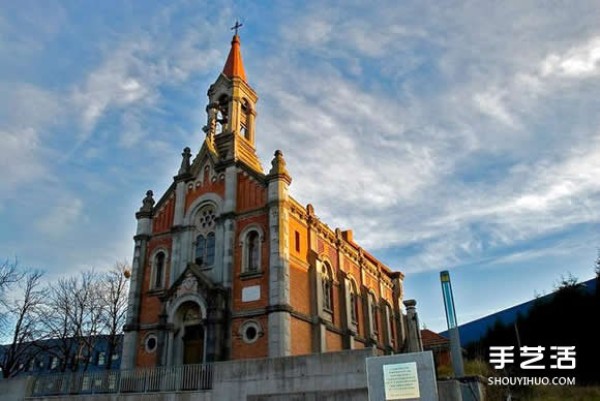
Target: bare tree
{"type": "Point", "coordinates": [9, 275]}
{"type": "Point", "coordinates": [23, 315]}
{"type": "Point", "coordinates": [58, 324]}
{"type": "Point", "coordinates": [76, 319]}
{"type": "Point", "coordinates": [114, 290]}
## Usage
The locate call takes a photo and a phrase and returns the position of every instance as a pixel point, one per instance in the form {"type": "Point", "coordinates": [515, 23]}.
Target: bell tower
{"type": "Point", "coordinates": [231, 113]}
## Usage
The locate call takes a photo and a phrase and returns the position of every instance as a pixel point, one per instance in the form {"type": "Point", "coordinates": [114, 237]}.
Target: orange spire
{"type": "Point", "coordinates": [234, 67]}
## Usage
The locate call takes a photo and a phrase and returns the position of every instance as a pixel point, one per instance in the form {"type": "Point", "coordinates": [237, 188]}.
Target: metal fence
{"type": "Point", "coordinates": [171, 378]}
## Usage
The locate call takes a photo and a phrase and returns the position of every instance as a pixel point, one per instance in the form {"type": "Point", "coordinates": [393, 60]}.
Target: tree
{"type": "Point", "coordinates": [24, 313]}
{"type": "Point", "coordinates": [567, 283]}
{"type": "Point", "coordinates": [9, 275]}
{"type": "Point", "coordinates": [114, 290]}
{"type": "Point", "coordinates": [76, 319]}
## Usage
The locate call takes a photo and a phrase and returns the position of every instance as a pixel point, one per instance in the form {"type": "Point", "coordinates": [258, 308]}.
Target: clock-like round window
{"type": "Point", "coordinates": [150, 343]}
{"type": "Point", "coordinates": [250, 331]}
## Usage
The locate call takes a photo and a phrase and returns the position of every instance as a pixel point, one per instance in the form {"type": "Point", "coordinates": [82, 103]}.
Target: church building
{"type": "Point", "coordinates": [228, 265]}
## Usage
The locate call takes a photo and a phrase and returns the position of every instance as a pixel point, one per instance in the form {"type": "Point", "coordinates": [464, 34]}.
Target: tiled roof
{"type": "Point", "coordinates": [431, 339]}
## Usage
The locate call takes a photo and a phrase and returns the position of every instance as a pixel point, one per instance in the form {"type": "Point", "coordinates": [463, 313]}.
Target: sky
{"type": "Point", "coordinates": [459, 135]}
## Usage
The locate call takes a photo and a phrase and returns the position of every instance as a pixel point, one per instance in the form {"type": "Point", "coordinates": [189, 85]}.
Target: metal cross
{"type": "Point", "coordinates": [236, 26]}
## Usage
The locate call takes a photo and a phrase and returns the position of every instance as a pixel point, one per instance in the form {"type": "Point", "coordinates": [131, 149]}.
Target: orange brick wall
{"type": "Point", "coordinates": [334, 341]}
{"type": "Point", "coordinates": [300, 288]}
{"type": "Point", "coordinates": [150, 304]}
{"type": "Point", "coordinates": [301, 337]}
{"type": "Point", "coordinates": [250, 194]}
{"type": "Point", "coordinates": [301, 297]}
{"type": "Point", "coordinates": [257, 349]}
{"type": "Point", "coordinates": [163, 219]}
{"type": "Point", "coordinates": [252, 197]}
{"type": "Point", "coordinates": [300, 293]}
{"type": "Point", "coordinates": [296, 227]}
{"type": "Point", "coordinates": [145, 358]}
{"type": "Point", "coordinates": [217, 187]}
{"type": "Point", "coordinates": [262, 280]}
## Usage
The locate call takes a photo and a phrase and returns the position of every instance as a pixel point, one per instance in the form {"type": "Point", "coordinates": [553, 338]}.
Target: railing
{"type": "Point", "coordinates": [172, 378]}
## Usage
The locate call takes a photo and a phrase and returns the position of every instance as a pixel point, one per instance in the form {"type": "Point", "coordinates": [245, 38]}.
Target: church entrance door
{"type": "Point", "coordinates": [193, 344]}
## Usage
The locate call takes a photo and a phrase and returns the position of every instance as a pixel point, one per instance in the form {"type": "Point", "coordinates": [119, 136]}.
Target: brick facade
{"type": "Point", "coordinates": [248, 272]}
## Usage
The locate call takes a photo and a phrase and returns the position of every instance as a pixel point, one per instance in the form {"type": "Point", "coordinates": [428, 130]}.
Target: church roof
{"type": "Point", "coordinates": [234, 66]}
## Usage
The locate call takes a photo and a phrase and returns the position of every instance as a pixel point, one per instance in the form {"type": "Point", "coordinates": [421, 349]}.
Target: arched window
{"type": "Point", "coordinates": [222, 114]}
{"type": "Point", "coordinates": [252, 253]}
{"type": "Point", "coordinates": [210, 249]}
{"type": "Point", "coordinates": [354, 302]}
{"type": "Point", "coordinates": [327, 286]}
{"type": "Point", "coordinates": [244, 119]}
{"type": "Point", "coordinates": [390, 324]}
{"type": "Point", "coordinates": [159, 270]}
{"type": "Point", "coordinates": [200, 248]}
{"type": "Point", "coordinates": [204, 254]}
{"type": "Point", "coordinates": [374, 315]}
{"type": "Point", "coordinates": [250, 241]}
{"type": "Point", "coordinates": [205, 250]}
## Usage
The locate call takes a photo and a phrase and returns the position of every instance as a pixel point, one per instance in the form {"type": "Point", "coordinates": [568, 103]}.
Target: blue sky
{"type": "Point", "coordinates": [449, 135]}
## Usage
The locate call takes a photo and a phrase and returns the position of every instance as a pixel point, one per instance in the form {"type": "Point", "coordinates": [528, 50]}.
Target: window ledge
{"type": "Point", "coordinates": [327, 315]}
{"type": "Point", "coordinates": [249, 275]}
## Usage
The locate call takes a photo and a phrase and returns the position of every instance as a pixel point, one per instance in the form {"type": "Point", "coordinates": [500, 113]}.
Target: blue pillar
{"type": "Point", "coordinates": [455, 348]}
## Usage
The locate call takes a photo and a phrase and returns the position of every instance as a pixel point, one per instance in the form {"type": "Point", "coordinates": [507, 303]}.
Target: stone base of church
{"type": "Point", "coordinates": [329, 376]}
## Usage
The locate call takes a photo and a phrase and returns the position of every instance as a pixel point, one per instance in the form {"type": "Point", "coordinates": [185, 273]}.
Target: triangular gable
{"type": "Point", "coordinates": [207, 152]}
{"type": "Point", "coordinates": [191, 280]}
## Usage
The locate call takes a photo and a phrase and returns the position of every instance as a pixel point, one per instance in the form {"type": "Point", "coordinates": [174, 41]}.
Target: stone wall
{"type": "Point", "coordinates": [14, 389]}
{"type": "Point", "coordinates": [330, 376]}
{"type": "Point", "coordinates": [324, 377]}
{"type": "Point", "coordinates": [293, 376]}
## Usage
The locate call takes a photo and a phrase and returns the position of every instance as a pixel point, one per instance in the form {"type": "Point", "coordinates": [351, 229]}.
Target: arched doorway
{"type": "Point", "coordinates": [193, 344]}
{"type": "Point", "coordinates": [192, 333]}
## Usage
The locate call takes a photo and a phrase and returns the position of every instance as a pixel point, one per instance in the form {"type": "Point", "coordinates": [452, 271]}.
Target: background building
{"type": "Point", "coordinates": [72, 354]}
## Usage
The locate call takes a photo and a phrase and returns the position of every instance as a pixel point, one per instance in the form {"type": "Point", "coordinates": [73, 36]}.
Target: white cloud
{"type": "Point", "coordinates": [460, 131]}
{"type": "Point", "coordinates": [581, 61]}
{"type": "Point", "coordinates": [123, 79]}
{"type": "Point", "coordinates": [28, 114]}
{"type": "Point", "coordinates": [492, 103]}
{"type": "Point", "coordinates": [133, 73]}
{"type": "Point", "coordinates": [20, 162]}
{"type": "Point", "coordinates": [64, 216]}
{"type": "Point", "coordinates": [27, 105]}
{"type": "Point", "coordinates": [394, 163]}
{"type": "Point", "coordinates": [524, 206]}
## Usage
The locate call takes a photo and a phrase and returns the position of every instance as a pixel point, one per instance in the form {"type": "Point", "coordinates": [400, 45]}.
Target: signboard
{"type": "Point", "coordinates": [251, 293]}
{"type": "Point", "coordinates": [402, 377]}
{"type": "Point", "coordinates": [401, 381]}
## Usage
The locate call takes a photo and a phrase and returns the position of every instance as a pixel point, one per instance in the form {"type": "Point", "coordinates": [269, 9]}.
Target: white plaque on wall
{"type": "Point", "coordinates": [401, 381]}
{"type": "Point", "coordinates": [251, 293]}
